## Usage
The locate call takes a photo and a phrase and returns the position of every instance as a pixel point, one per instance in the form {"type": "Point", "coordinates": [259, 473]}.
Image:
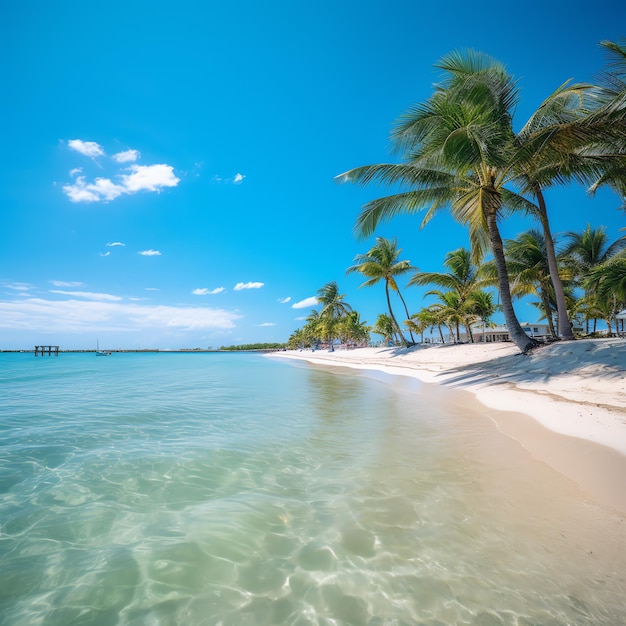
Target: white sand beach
{"type": "Point", "coordinates": [577, 389]}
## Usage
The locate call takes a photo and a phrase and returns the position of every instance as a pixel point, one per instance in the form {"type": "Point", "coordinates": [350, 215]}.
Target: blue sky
{"type": "Point", "coordinates": [168, 167]}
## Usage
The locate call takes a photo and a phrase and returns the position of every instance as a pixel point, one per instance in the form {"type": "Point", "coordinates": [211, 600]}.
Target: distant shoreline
{"type": "Point", "coordinates": [141, 351]}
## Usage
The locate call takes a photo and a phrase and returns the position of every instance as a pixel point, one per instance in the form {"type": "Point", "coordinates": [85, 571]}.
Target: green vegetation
{"type": "Point", "coordinates": [254, 346]}
{"type": "Point", "coordinates": [459, 152]}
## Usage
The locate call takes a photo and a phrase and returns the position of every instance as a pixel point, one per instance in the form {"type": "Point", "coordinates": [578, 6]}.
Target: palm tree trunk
{"type": "Point", "coordinates": [548, 311]}
{"type": "Point", "coordinates": [392, 316]}
{"type": "Point", "coordinates": [406, 310]}
{"type": "Point", "coordinates": [565, 328]}
{"type": "Point", "coordinates": [519, 337]}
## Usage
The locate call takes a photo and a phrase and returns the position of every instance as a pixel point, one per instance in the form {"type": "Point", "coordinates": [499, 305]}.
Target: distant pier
{"type": "Point", "coordinates": [49, 350]}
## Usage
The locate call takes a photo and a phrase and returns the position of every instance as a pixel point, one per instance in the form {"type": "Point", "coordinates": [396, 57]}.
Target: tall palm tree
{"type": "Point", "coordinates": [463, 278]}
{"type": "Point", "coordinates": [549, 152]}
{"type": "Point", "coordinates": [381, 263]}
{"type": "Point", "coordinates": [458, 147]}
{"type": "Point", "coordinates": [333, 309]}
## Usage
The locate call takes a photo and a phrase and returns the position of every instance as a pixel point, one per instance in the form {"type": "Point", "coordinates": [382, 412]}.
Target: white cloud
{"type": "Point", "coordinates": [208, 292]}
{"type": "Point", "coordinates": [128, 180]}
{"type": "Point", "coordinates": [88, 148]}
{"type": "Point", "coordinates": [240, 286]}
{"type": "Point", "coordinates": [237, 179]}
{"type": "Point", "coordinates": [66, 283]}
{"type": "Point", "coordinates": [284, 300]}
{"type": "Point", "coordinates": [264, 324]}
{"type": "Point", "coordinates": [111, 244]}
{"type": "Point", "coordinates": [149, 177]}
{"type": "Point", "coordinates": [306, 303]}
{"type": "Point", "coordinates": [152, 289]}
{"type": "Point", "coordinates": [76, 316]}
{"type": "Point", "coordinates": [150, 253]}
{"type": "Point", "coordinates": [127, 156]}
{"type": "Point", "coordinates": [88, 295]}
{"type": "Point", "coordinates": [102, 189]}
{"type": "Point", "coordinates": [107, 253]}
{"type": "Point", "coordinates": [18, 286]}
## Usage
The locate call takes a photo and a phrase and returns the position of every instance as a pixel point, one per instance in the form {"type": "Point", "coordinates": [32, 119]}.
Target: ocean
{"type": "Point", "coordinates": [234, 489]}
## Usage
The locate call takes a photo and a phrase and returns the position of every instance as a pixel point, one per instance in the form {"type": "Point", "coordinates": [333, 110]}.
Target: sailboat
{"type": "Point", "coordinates": [101, 352]}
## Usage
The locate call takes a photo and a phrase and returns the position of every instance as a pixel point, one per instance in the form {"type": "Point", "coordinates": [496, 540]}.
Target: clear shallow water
{"type": "Point", "coordinates": [194, 489]}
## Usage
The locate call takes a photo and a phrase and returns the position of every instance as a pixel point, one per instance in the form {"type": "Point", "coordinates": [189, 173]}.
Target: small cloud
{"type": "Point", "coordinates": [150, 253]}
{"type": "Point", "coordinates": [237, 179]}
{"type": "Point", "coordinates": [18, 286]}
{"type": "Point", "coordinates": [88, 148]}
{"type": "Point", "coordinates": [149, 177]}
{"type": "Point", "coordinates": [264, 324]}
{"type": "Point", "coordinates": [284, 300]}
{"type": "Point", "coordinates": [208, 292]}
{"type": "Point", "coordinates": [102, 189]}
{"type": "Point", "coordinates": [65, 283]}
{"type": "Point", "coordinates": [107, 253]}
{"type": "Point", "coordinates": [88, 295]}
{"type": "Point", "coordinates": [75, 171]}
{"type": "Point", "coordinates": [299, 319]}
{"type": "Point", "coordinates": [126, 156]}
{"type": "Point", "coordinates": [152, 289]}
{"type": "Point", "coordinates": [112, 244]}
{"type": "Point", "coordinates": [240, 286]}
{"type": "Point", "coordinates": [306, 303]}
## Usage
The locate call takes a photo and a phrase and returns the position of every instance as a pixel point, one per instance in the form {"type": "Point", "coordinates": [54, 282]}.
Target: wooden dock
{"type": "Point", "coordinates": [49, 350]}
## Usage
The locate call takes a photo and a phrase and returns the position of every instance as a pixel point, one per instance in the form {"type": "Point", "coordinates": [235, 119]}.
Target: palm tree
{"type": "Point", "coordinates": [585, 253]}
{"type": "Point", "coordinates": [451, 310]}
{"type": "Point", "coordinates": [549, 152]}
{"type": "Point", "coordinates": [590, 248]}
{"type": "Point", "coordinates": [381, 263]}
{"type": "Point", "coordinates": [528, 265]}
{"type": "Point", "coordinates": [333, 309]}
{"type": "Point", "coordinates": [609, 121]}
{"type": "Point", "coordinates": [384, 326]}
{"type": "Point", "coordinates": [459, 147]}
{"type": "Point", "coordinates": [352, 329]}
{"type": "Point", "coordinates": [463, 278]}
{"type": "Point", "coordinates": [481, 304]}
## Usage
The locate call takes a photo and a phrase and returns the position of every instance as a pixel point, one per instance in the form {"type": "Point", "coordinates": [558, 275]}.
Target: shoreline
{"type": "Point", "coordinates": [574, 393]}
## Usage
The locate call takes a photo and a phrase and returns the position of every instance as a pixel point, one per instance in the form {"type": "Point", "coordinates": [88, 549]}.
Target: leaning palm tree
{"type": "Point", "coordinates": [381, 263]}
{"type": "Point", "coordinates": [333, 309]}
{"type": "Point", "coordinates": [550, 151]}
{"type": "Point", "coordinates": [458, 148]}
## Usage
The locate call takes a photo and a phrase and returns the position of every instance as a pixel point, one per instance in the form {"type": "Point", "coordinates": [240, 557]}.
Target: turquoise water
{"type": "Point", "coordinates": [189, 489]}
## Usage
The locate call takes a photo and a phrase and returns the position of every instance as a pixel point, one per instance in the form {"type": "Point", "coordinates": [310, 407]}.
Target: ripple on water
{"type": "Point", "coordinates": [165, 491]}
